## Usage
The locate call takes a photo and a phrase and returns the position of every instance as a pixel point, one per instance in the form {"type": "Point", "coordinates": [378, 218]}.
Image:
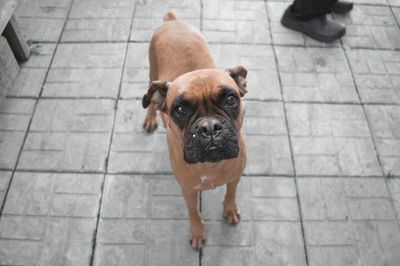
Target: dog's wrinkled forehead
{"type": "Point", "coordinates": [200, 87]}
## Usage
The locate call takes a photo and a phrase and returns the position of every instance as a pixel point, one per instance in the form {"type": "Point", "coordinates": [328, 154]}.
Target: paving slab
{"type": "Point", "coordinates": [40, 29]}
{"type": "Point", "coordinates": [394, 3]}
{"type": "Point", "coordinates": [133, 150]}
{"type": "Point", "coordinates": [41, 56]}
{"type": "Point", "coordinates": [99, 21]}
{"type": "Point", "coordinates": [396, 12]}
{"type": "Point", "coordinates": [394, 187]}
{"type": "Point", "coordinates": [235, 22]}
{"type": "Point", "coordinates": [149, 16]}
{"type": "Point", "coordinates": [315, 74]}
{"type": "Point", "coordinates": [15, 115]}
{"type": "Point", "coordinates": [42, 20]}
{"type": "Point", "coordinates": [5, 177]}
{"type": "Point", "coordinates": [68, 135]}
{"type": "Point", "coordinates": [376, 74]}
{"type": "Point", "coordinates": [370, 27]}
{"type": "Point", "coordinates": [284, 36]}
{"type": "Point", "coordinates": [269, 229]}
{"type": "Point", "coordinates": [143, 219]}
{"type": "Point", "coordinates": [372, 2]}
{"type": "Point", "coordinates": [267, 143]}
{"type": "Point", "coordinates": [385, 127]}
{"type": "Point", "coordinates": [102, 9]}
{"type": "Point", "coordinates": [331, 140]}
{"type": "Point", "coordinates": [102, 30]}
{"type": "Point", "coordinates": [86, 70]}
{"type": "Point", "coordinates": [61, 211]}
{"type": "Point", "coordinates": [30, 79]}
{"type": "Point", "coordinates": [136, 75]}
{"type": "Point", "coordinates": [51, 9]}
{"type": "Point", "coordinates": [349, 221]}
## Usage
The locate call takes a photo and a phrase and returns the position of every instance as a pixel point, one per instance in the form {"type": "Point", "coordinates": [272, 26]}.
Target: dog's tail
{"type": "Point", "coordinates": [170, 16]}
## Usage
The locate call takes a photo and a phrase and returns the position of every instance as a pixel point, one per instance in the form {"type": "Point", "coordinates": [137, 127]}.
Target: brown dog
{"type": "Point", "coordinates": [202, 112]}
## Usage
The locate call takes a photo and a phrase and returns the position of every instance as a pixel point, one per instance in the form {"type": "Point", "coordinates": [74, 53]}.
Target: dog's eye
{"type": "Point", "coordinates": [179, 111]}
{"type": "Point", "coordinates": [231, 101]}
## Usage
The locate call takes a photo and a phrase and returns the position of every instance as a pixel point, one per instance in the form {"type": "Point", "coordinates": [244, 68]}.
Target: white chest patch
{"type": "Point", "coordinates": [203, 178]}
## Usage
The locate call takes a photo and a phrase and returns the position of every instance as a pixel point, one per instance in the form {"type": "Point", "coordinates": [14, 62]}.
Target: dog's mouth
{"type": "Point", "coordinates": [201, 148]}
{"type": "Point", "coordinates": [212, 148]}
{"type": "Point", "coordinates": [213, 155]}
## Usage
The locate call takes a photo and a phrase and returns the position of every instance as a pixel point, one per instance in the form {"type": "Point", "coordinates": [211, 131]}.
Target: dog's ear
{"type": "Point", "coordinates": [156, 94]}
{"type": "Point", "coordinates": [239, 74]}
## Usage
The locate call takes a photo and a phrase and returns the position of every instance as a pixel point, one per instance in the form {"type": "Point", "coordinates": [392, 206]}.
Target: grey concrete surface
{"type": "Point", "coordinates": [81, 183]}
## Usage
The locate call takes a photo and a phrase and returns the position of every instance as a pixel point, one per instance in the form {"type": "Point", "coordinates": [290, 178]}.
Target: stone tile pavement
{"type": "Point", "coordinates": [82, 184]}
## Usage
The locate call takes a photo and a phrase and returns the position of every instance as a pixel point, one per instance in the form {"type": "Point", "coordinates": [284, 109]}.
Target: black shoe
{"type": "Point", "coordinates": [319, 28]}
{"type": "Point", "coordinates": [342, 7]}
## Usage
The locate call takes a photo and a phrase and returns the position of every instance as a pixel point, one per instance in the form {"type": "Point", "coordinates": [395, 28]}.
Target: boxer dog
{"type": "Point", "coordinates": [202, 112]}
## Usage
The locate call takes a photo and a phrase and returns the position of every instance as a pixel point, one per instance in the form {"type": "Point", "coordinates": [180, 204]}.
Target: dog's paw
{"type": "Point", "coordinates": [150, 125]}
{"type": "Point", "coordinates": [197, 236]}
{"type": "Point", "coordinates": [231, 213]}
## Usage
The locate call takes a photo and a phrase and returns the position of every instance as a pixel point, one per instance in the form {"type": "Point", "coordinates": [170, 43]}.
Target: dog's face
{"type": "Point", "coordinates": [205, 111]}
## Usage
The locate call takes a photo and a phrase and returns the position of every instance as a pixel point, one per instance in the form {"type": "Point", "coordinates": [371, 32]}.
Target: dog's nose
{"type": "Point", "coordinates": [209, 126]}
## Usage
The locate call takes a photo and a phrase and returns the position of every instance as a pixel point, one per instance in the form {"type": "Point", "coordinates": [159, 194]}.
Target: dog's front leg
{"type": "Point", "coordinates": [231, 210]}
{"type": "Point", "coordinates": [197, 234]}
